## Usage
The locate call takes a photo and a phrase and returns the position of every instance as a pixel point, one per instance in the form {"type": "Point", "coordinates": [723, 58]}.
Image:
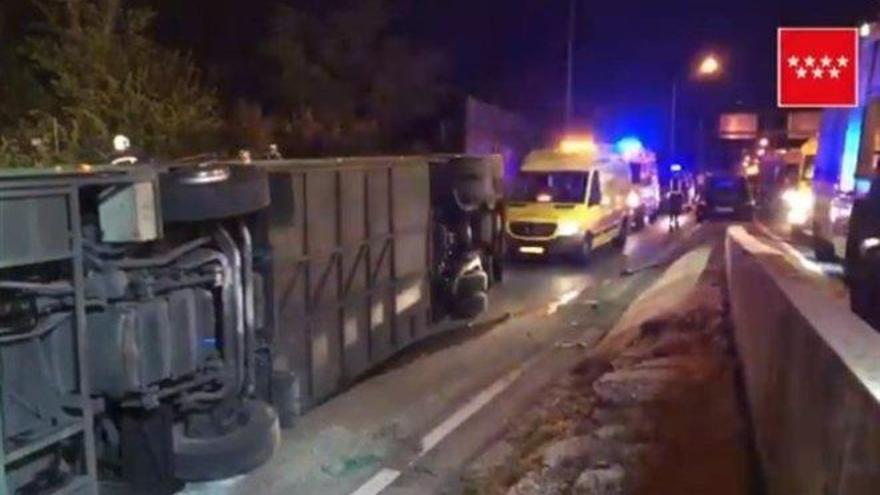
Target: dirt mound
{"type": "Point", "coordinates": [661, 415]}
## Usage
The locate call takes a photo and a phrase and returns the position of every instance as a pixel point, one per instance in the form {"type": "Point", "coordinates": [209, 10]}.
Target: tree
{"type": "Point", "coordinates": [346, 82]}
{"type": "Point", "coordinates": [105, 76]}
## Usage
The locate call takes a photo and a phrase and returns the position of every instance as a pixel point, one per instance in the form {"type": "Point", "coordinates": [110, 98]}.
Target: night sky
{"type": "Point", "coordinates": [512, 52]}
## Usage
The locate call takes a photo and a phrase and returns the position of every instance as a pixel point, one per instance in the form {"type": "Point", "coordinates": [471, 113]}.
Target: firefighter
{"type": "Point", "coordinates": [675, 197]}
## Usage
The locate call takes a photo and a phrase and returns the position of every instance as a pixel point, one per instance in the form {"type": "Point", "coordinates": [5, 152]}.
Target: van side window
{"type": "Point", "coordinates": [595, 190]}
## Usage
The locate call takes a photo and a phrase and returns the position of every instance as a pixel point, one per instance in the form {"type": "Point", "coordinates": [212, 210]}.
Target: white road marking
{"type": "Point", "coordinates": [464, 413]}
{"type": "Point", "coordinates": [385, 477]}
{"type": "Point", "coordinates": [378, 482]}
{"type": "Point", "coordinates": [563, 300]}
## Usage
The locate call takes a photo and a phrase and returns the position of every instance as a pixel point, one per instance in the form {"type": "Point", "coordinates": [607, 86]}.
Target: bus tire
{"type": "Point", "coordinates": [232, 453]}
{"type": "Point", "coordinates": [244, 191]}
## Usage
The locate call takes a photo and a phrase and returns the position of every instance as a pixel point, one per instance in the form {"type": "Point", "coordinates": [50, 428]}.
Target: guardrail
{"type": "Point", "coordinates": [812, 376]}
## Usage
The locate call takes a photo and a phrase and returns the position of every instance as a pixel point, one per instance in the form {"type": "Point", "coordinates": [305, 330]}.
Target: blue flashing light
{"type": "Point", "coordinates": [675, 167]}
{"type": "Point", "coordinates": [850, 159]}
{"type": "Point", "coordinates": [630, 146]}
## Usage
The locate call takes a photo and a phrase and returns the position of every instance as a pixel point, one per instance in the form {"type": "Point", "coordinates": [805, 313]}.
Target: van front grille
{"type": "Point", "coordinates": [532, 229]}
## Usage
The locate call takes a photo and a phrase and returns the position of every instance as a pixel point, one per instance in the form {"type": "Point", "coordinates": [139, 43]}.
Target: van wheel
{"type": "Point", "coordinates": [585, 253]}
{"type": "Point", "coordinates": [620, 240]}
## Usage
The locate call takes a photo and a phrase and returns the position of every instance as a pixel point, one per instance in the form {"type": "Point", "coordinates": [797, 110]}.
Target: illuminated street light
{"type": "Point", "coordinates": [865, 30]}
{"type": "Point", "coordinates": [709, 66]}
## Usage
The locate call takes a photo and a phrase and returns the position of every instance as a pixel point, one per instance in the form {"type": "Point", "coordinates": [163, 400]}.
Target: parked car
{"type": "Point", "coordinates": [725, 196]}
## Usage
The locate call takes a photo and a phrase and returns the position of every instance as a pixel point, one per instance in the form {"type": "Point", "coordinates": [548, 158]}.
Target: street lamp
{"type": "Point", "coordinates": [709, 66]}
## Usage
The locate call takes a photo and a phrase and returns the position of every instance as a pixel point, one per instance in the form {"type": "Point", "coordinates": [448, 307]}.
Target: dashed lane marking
{"type": "Point", "coordinates": [379, 482]}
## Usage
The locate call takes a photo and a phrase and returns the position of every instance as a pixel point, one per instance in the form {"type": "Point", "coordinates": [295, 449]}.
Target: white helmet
{"type": "Point", "coordinates": [121, 143]}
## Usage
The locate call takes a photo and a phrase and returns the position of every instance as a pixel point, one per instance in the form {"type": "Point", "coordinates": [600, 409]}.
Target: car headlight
{"type": "Point", "coordinates": [633, 200]}
{"type": "Point", "coordinates": [568, 229]}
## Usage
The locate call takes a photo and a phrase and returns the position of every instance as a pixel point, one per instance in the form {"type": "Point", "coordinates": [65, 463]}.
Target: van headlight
{"type": "Point", "coordinates": [568, 229]}
{"type": "Point", "coordinates": [799, 204]}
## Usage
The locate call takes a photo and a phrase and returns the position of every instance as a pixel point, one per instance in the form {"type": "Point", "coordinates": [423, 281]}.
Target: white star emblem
{"type": "Point", "coordinates": [842, 62]}
{"type": "Point", "coordinates": [802, 73]}
{"type": "Point", "coordinates": [810, 61]}
{"type": "Point", "coordinates": [835, 73]}
{"type": "Point", "coordinates": [818, 73]}
{"type": "Point", "coordinates": [793, 61]}
{"type": "Point", "coordinates": [826, 61]}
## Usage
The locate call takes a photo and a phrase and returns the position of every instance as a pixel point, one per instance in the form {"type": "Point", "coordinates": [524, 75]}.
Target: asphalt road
{"type": "Point", "coordinates": [411, 426]}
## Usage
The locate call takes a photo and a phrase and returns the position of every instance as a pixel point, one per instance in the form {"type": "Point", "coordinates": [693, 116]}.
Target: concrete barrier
{"type": "Point", "coordinates": [812, 376]}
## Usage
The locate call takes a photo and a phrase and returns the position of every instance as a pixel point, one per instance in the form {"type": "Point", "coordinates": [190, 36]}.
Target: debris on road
{"type": "Point", "coordinates": [658, 415]}
{"type": "Point", "coordinates": [571, 345]}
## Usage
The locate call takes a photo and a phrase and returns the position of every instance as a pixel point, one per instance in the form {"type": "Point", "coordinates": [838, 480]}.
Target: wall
{"type": "Point", "coordinates": [812, 376]}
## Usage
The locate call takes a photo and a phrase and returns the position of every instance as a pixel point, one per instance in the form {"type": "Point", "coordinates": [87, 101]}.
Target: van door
{"type": "Point", "coordinates": [601, 211]}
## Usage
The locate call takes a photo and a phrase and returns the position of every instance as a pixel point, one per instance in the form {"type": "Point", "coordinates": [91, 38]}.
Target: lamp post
{"type": "Point", "coordinates": [569, 80]}
{"type": "Point", "coordinates": [708, 67]}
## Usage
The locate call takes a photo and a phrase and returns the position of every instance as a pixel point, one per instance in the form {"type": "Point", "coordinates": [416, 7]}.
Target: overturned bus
{"type": "Point", "coordinates": [158, 323]}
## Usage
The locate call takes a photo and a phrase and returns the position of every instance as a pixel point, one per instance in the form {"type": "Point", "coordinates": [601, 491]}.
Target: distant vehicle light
{"type": "Point", "coordinates": [544, 198]}
{"type": "Point", "coordinates": [764, 142]}
{"type": "Point", "coordinates": [762, 152]}
{"type": "Point", "coordinates": [752, 170]}
{"type": "Point", "coordinates": [633, 200]}
{"type": "Point", "coordinates": [630, 147]}
{"type": "Point", "coordinates": [575, 146]}
{"type": "Point", "coordinates": [800, 205]}
{"type": "Point", "coordinates": [840, 210]}
{"type": "Point", "coordinates": [568, 229]}
{"type": "Point", "coordinates": [869, 244]}
{"type": "Point", "coordinates": [797, 218]}
{"type": "Point", "coordinates": [675, 167]}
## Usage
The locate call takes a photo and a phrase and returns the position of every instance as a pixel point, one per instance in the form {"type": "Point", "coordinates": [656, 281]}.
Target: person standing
{"type": "Point", "coordinates": [676, 201]}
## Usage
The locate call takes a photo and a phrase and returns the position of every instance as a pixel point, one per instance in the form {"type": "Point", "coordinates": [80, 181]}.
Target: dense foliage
{"type": "Point", "coordinates": [99, 75]}
{"type": "Point", "coordinates": [85, 70]}
{"type": "Point", "coordinates": [346, 81]}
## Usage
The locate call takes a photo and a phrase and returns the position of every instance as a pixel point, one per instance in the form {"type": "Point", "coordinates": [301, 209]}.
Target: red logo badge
{"type": "Point", "coordinates": [818, 67]}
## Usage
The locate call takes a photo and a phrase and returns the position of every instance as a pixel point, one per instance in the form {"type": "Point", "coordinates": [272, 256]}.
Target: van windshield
{"type": "Point", "coordinates": [552, 187]}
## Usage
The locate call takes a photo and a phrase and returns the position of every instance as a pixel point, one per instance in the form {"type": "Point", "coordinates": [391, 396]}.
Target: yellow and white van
{"type": "Point", "coordinates": [570, 201]}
